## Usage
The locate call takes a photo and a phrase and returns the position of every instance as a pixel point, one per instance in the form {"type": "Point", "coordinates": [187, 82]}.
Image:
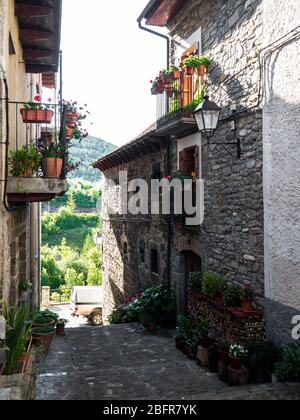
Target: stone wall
{"type": "Point", "coordinates": [127, 272]}
{"type": "Point", "coordinates": [282, 165]}
{"type": "Point", "coordinates": [231, 240]}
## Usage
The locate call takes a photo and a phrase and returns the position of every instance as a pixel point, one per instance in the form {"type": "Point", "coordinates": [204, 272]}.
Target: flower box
{"type": "Point", "coordinates": [37, 116]}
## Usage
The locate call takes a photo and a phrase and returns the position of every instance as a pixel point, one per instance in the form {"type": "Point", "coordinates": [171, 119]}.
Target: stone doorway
{"type": "Point", "coordinates": [191, 263]}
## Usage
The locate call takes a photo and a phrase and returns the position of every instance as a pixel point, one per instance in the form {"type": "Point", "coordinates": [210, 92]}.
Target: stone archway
{"type": "Point", "coordinates": [191, 258]}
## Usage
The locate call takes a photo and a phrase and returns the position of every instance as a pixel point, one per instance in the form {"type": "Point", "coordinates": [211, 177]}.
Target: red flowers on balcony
{"type": "Point", "coordinates": [37, 113]}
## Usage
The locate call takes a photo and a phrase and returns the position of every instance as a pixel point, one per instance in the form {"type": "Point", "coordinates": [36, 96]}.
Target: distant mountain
{"type": "Point", "coordinates": [87, 152]}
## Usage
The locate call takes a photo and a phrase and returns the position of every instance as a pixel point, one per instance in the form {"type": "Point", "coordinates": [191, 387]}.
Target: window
{"type": "Point", "coordinates": [154, 261]}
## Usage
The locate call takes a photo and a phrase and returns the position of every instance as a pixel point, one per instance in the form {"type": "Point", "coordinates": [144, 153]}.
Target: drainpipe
{"type": "Point", "coordinates": [6, 143]}
{"type": "Point", "coordinates": [151, 31]}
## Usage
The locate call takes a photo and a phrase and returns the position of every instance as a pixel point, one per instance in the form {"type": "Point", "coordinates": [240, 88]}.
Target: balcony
{"type": "Point", "coordinates": [178, 95]}
{"type": "Point", "coordinates": [37, 152]}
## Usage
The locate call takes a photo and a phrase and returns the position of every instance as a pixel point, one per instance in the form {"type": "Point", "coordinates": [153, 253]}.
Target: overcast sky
{"type": "Point", "coordinates": [108, 64]}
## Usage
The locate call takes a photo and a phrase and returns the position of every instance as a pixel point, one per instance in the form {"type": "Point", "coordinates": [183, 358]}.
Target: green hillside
{"type": "Point", "coordinates": [87, 152]}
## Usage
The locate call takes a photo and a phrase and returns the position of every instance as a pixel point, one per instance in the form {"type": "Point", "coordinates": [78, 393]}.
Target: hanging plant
{"type": "Point", "coordinates": [193, 63]}
{"type": "Point", "coordinates": [37, 113]}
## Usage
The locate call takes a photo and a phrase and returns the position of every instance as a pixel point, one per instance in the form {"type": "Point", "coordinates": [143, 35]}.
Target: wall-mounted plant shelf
{"type": "Point", "coordinates": [34, 190]}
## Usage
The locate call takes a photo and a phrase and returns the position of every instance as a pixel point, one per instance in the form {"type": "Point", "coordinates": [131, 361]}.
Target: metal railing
{"type": "Point", "coordinates": [28, 130]}
{"type": "Point", "coordinates": [182, 94]}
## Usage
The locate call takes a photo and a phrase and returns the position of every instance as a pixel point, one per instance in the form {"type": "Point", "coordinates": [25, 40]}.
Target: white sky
{"type": "Point", "coordinates": [108, 64]}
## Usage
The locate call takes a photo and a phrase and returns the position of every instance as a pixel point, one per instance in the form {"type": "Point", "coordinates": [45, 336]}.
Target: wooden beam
{"type": "Point", "coordinates": [36, 53]}
{"type": "Point", "coordinates": [38, 68]}
{"type": "Point", "coordinates": [29, 10]}
{"type": "Point", "coordinates": [27, 34]}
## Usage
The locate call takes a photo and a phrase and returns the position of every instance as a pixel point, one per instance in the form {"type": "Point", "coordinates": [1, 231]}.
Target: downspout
{"type": "Point", "coordinates": [151, 31]}
{"type": "Point", "coordinates": [6, 143]}
{"type": "Point", "coordinates": [169, 157]}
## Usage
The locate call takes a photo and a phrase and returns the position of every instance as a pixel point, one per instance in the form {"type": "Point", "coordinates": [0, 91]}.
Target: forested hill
{"type": "Point", "coordinates": [87, 152]}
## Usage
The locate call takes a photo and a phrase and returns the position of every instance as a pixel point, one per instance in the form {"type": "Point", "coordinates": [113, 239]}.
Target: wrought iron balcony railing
{"type": "Point", "coordinates": [178, 96]}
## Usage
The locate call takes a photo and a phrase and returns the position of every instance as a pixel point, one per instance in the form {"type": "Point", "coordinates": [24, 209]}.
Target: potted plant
{"type": "Point", "coordinates": [231, 296]}
{"type": "Point", "coordinates": [24, 162]}
{"type": "Point", "coordinates": [60, 327]}
{"type": "Point", "coordinates": [157, 86]}
{"type": "Point", "coordinates": [43, 336]}
{"type": "Point", "coordinates": [203, 65]}
{"type": "Point", "coordinates": [262, 358]}
{"type": "Point", "coordinates": [44, 318]}
{"type": "Point", "coordinates": [25, 288]}
{"type": "Point", "coordinates": [53, 160]}
{"type": "Point", "coordinates": [173, 74]}
{"type": "Point", "coordinates": [18, 332]}
{"type": "Point", "coordinates": [247, 296]}
{"type": "Point", "coordinates": [37, 113]}
{"type": "Point", "coordinates": [183, 332]}
{"type": "Point", "coordinates": [195, 281]}
{"type": "Point", "coordinates": [237, 356]}
{"type": "Point", "coordinates": [203, 329]}
{"type": "Point", "coordinates": [213, 285]}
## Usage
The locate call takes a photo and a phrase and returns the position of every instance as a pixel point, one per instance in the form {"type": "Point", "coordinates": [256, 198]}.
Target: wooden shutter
{"type": "Point", "coordinates": [186, 162]}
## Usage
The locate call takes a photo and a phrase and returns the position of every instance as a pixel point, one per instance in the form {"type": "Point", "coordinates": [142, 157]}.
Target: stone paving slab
{"type": "Point", "coordinates": [127, 363]}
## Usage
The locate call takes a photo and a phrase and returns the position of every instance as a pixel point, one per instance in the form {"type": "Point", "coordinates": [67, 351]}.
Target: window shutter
{"type": "Point", "coordinates": [186, 162]}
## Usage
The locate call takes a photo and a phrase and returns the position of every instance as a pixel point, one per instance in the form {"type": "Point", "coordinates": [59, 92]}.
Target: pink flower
{"type": "Point", "coordinates": [38, 98]}
{"type": "Point", "coordinates": [49, 100]}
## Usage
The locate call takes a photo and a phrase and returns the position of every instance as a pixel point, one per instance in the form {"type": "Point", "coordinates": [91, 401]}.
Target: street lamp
{"type": "Point", "coordinates": [207, 116]}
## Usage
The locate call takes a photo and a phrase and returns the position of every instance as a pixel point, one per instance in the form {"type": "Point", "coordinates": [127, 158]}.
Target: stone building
{"type": "Point", "coordinates": [29, 58]}
{"type": "Point", "coordinates": [143, 250]}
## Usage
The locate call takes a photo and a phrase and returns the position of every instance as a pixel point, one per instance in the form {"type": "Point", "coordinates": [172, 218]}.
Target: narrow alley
{"type": "Point", "coordinates": [119, 362]}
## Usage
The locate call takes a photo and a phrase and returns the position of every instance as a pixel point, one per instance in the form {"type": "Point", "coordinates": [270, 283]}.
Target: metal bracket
{"type": "Point", "coordinates": [237, 144]}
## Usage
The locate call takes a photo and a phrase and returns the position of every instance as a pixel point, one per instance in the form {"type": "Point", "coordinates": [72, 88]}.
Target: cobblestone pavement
{"type": "Point", "coordinates": [127, 363]}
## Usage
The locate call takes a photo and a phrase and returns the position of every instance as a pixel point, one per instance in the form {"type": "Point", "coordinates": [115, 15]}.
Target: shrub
{"type": "Point", "coordinates": [44, 317]}
{"type": "Point", "coordinates": [213, 284]}
{"type": "Point", "coordinates": [203, 328]}
{"type": "Point", "coordinates": [231, 296]}
{"type": "Point", "coordinates": [195, 281]}
{"type": "Point", "coordinates": [288, 370]}
{"type": "Point", "coordinates": [184, 328]}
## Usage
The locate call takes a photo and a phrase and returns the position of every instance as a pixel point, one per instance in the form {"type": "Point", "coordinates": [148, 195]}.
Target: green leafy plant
{"type": "Point", "coordinates": [150, 304]}
{"type": "Point", "coordinates": [36, 104]}
{"type": "Point", "coordinates": [205, 61]}
{"type": "Point", "coordinates": [62, 322]}
{"type": "Point", "coordinates": [18, 331]}
{"type": "Point", "coordinates": [203, 328]}
{"type": "Point", "coordinates": [43, 330]}
{"type": "Point", "coordinates": [238, 351]}
{"type": "Point", "coordinates": [184, 328]}
{"type": "Point", "coordinates": [45, 317]}
{"type": "Point", "coordinates": [25, 285]}
{"type": "Point", "coordinates": [213, 284]}
{"type": "Point", "coordinates": [24, 161]}
{"type": "Point", "coordinates": [262, 357]}
{"type": "Point", "coordinates": [231, 296]}
{"type": "Point", "coordinates": [195, 62]}
{"type": "Point", "coordinates": [195, 281]}
{"type": "Point", "coordinates": [247, 293]}
{"type": "Point", "coordinates": [288, 370]}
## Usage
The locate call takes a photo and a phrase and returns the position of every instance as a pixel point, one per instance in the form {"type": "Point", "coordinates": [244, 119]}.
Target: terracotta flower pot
{"type": "Point", "coordinates": [205, 342]}
{"type": "Point", "coordinates": [43, 340]}
{"type": "Point", "coordinates": [24, 361]}
{"type": "Point", "coordinates": [49, 324]}
{"type": "Point", "coordinates": [52, 167]}
{"type": "Point", "coordinates": [235, 363]}
{"type": "Point", "coordinates": [190, 71]}
{"type": "Point", "coordinates": [60, 330]}
{"type": "Point", "coordinates": [37, 116]}
{"type": "Point", "coordinates": [224, 356]}
{"type": "Point", "coordinates": [202, 70]}
{"type": "Point", "coordinates": [28, 173]}
{"type": "Point", "coordinates": [247, 305]}
{"type": "Point", "coordinates": [69, 132]}
{"type": "Point", "coordinates": [72, 116]}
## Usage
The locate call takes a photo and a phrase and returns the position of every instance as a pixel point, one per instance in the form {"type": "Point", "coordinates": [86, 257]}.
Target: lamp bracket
{"type": "Point", "coordinates": [237, 144]}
